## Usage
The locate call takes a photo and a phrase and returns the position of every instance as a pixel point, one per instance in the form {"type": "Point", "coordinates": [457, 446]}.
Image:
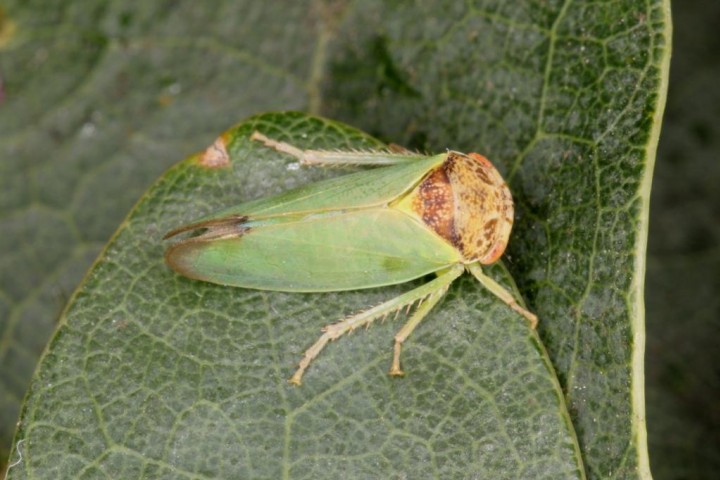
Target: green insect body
{"type": "Point", "coordinates": [417, 215]}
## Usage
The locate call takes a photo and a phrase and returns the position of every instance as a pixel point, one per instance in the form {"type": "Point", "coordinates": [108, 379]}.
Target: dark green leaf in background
{"type": "Point", "coordinates": [564, 97]}
{"type": "Point", "coordinates": [99, 98]}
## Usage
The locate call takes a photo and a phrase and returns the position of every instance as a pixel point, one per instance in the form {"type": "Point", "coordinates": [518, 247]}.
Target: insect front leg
{"type": "Point", "coordinates": [500, 292]}
{"type": "Point", "coordinates": [339, 158]}
{"type": "Point", "coordinates": [432, 291]}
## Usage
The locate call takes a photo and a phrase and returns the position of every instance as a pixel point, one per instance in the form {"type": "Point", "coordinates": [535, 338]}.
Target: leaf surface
{"type": "Point", "coordinates": [174, 378]}
{"type": "Point", "coordinates": [565, 97]}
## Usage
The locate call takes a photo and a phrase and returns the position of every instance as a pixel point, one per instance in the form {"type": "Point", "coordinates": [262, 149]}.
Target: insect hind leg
{"type": "Point", "coordinates": [339, 158]}
{"type": "Point", "coordinates": [432, 290]}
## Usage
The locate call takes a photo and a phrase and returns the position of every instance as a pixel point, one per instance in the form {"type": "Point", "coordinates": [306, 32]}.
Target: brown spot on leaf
{"type": "Point", "coordinates": [216, 155]}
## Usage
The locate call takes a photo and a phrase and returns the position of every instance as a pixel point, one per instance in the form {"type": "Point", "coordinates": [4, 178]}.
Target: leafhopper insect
{"type": "Point", "coordinates": [416, 215]}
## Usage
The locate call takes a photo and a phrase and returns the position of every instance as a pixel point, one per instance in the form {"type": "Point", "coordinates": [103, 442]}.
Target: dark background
{"type": "Point", "coordinates": [682, 360]}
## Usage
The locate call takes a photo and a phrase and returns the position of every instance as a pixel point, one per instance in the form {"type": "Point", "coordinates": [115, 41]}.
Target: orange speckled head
{"type": "Point", "coordinates": [465, 201]}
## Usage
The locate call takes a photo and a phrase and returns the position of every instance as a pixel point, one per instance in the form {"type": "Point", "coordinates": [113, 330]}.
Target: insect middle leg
{"type": "Point", "coordinates": [339, 157]}
{"type": "Point", "coordinates": [402, 335]}
{"type": "Point", "coordinates": [432, 291]}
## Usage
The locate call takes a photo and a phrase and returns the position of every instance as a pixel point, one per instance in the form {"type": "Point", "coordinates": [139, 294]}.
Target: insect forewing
{"type": "Point", "coordinates": [357, 190]}
{"type": "Point", "coordinates": [331, 251]}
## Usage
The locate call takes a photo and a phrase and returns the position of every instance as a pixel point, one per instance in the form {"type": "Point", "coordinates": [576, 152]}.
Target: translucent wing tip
{"type": "Point", "coordinates": [226, 225]}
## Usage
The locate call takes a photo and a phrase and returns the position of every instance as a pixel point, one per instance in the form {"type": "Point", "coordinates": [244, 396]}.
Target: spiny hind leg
{"type": "Point", "coordinates": [339, 157]}
{"type": "Point", "coordinates": [365, 318]}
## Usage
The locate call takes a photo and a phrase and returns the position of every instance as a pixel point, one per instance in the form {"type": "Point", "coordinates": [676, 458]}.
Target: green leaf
{"type": "Point", "coordinates": [96, 100]}
{"type": "Point", "coordinates": [565, 97]}
{"type": "Point", "coordinates": [172, 377]}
